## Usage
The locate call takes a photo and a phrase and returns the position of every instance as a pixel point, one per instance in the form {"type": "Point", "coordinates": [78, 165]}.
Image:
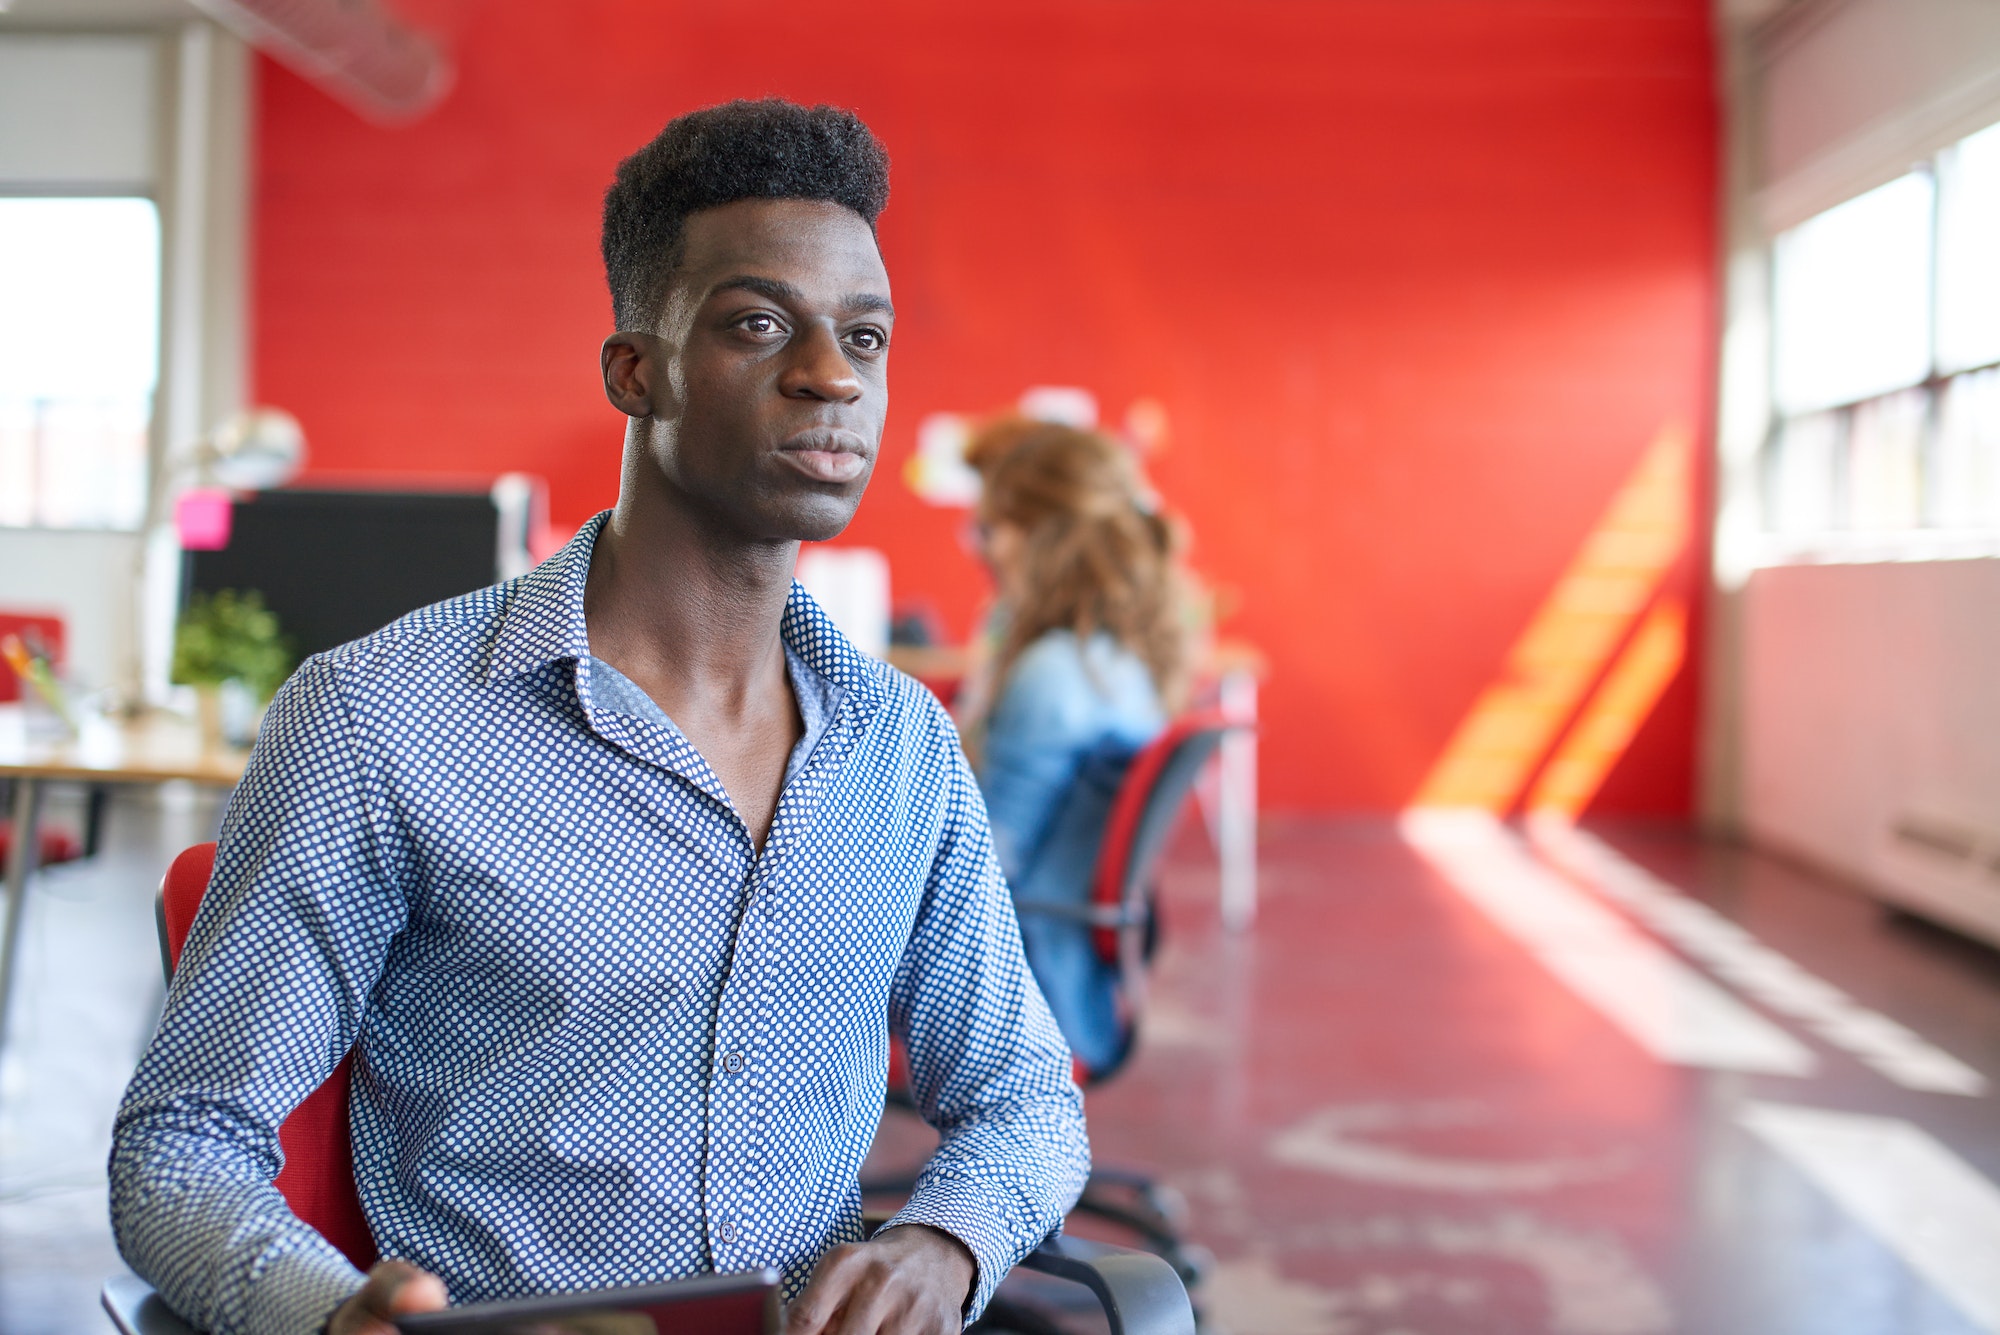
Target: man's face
{"type": "Point", "coordinates": [769, 369]}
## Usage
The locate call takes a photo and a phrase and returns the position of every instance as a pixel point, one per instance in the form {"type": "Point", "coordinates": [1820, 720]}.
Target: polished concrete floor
{"type": "Point", "coordinates": [1455, 1080]}
{"type": "Point", "coordinates": [1390, 1114]}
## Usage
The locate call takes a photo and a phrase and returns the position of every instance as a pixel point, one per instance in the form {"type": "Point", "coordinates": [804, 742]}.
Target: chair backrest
{"type": "Point", "coordinates": [317, 1179]}
{"type": "Point", "coordinates": [1142, 816]}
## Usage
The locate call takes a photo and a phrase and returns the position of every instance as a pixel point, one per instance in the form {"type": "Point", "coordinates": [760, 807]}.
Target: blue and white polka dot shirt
{"type": "Point", "coordinates": [601, 1041]}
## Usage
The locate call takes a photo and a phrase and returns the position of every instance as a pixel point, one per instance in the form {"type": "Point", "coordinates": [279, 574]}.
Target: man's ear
{"type": "Point", "coordinates": [627, 378]}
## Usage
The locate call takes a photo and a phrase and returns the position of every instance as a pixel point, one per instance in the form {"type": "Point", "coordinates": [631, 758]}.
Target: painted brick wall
{"type": "Point", "coordinates": [1417, 282]}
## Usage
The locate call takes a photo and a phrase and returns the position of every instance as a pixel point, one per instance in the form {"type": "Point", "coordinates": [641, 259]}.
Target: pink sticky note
{"type": "Point", "coordinates": [201, 516]}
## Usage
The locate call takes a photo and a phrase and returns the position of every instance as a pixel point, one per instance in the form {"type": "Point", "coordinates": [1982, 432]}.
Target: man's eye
{"type": "Point", "coordinates": [869, 340]}
{"type": "Point", "coordinates": [761, 324]}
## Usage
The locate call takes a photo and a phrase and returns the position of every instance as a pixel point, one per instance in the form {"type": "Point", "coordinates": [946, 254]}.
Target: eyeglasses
{"type": "Point", "coordinates": [973, 537]}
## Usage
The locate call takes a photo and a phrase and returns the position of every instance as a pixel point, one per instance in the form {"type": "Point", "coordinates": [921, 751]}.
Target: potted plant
{"type": "Point", "coordinates": [229, 647]}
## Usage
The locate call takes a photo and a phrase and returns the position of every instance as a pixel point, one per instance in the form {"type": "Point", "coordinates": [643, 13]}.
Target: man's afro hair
{"type": "Point", "coordinates": [768, 149]}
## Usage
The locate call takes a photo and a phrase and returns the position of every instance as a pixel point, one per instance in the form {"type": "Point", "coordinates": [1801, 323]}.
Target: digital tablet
{"type": "Point", "coordinates": [743, 1304]}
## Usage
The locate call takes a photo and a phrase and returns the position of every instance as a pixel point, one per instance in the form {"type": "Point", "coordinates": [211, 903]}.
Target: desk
{"type": "Point", "coordinates": [1233, 669]}
{"type": "Point", "coordinates": [156, 749]}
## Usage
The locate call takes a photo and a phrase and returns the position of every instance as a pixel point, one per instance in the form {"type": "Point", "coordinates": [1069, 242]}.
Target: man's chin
{"type": "Point", "coordinates": [816, 518]}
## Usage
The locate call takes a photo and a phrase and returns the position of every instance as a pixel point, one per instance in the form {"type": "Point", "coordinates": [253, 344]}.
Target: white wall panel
{"type": "Point", "coordinates": [79, 111]}
{"type": "Point", "coordinates": [1872, 727]}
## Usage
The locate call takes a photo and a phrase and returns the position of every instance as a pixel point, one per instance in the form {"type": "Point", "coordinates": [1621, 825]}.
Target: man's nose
{"type": "Point", "coordinates": [819, 369]}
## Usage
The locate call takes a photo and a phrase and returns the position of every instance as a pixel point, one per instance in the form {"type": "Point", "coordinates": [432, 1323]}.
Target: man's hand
{"type": "Point", "coordinates": [394, 1288]}
{"type": "Point", "coordinates": [911, 1280]}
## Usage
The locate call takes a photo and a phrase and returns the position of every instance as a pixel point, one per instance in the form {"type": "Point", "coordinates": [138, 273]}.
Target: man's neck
{"type": "Point", "coordinates": [689, 612]}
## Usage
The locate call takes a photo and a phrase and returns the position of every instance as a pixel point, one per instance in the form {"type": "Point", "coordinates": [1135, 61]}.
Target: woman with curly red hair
{"type": "Point", "coordinates": [1090, 655]}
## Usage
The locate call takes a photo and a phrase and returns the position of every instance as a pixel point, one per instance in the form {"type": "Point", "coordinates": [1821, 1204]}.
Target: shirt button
{"type": "Point", "coordinates": [726, 1231]}
{"type": "Point", "coordinates": [732, 1065]}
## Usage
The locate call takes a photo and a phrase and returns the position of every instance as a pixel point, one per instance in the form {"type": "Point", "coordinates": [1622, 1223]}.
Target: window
{"type": "Point", "coordinates": [1886, 369]}
{"type": "Point", "coordinates": [79, 356]}
{"type": "Point", "coordinates": [1967, 463]}
{"type": "Point", "coordinates": [1969, 253]}
{"type": "Point", "coordinates": [1852, 299]}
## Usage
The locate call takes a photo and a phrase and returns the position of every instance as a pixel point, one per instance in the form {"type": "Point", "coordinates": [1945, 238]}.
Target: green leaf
{"type": "Point", "coordinates": [231, 636]}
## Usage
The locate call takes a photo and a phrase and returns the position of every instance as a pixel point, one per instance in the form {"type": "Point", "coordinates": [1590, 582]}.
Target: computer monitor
{"type": "Point", "coordinates": [335, 565]}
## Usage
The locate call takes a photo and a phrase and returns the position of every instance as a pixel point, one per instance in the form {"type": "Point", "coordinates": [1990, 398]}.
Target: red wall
{"type": "Point", "coordinates": [1416, 280]}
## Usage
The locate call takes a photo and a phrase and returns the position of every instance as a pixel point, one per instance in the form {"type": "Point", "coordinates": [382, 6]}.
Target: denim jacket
{"type": "Point", "coordinates": [1064, 726]}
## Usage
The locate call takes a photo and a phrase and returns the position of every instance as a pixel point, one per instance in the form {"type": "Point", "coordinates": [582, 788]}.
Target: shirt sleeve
{"type": "Point", "coordinates": [988, 1067]}
{"type": "Point", "coordinates": [268, 997]}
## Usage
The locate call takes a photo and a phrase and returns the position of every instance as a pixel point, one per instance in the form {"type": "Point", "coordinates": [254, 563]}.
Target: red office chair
{"type": "Point", "coordinates": [1123, 912]}
{"type": "Point", "coordinates": [1139, 1294]}
{"type": "Point", "coordinates": [1124, 916]}
{"type": "Point", "coordinates": [1124, 919]}
{"type": "Point", "coordinates": [318, 1177]}
{"type": "Point", "coordinates": [57, 846]}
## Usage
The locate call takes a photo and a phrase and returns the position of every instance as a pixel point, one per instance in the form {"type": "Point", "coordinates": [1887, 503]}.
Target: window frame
{"type": "Point", "coordinates": [1838, 538]}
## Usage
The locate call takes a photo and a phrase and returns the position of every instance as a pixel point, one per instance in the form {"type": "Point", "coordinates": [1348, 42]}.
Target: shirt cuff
{"type": "Point", "coordinates": [299, 1290]}
{"type": "Point", "coordinates": [977, 1218]}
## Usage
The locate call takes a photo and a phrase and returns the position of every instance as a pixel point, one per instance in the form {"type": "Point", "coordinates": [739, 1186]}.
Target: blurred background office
{"type": "Point", "coordinates": [1586, 422]}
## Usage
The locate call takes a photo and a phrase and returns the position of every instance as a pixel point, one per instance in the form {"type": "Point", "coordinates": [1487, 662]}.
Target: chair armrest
{"type": "Point", "coordinates": [1140, 1293]}
{"type": "Point", "coordinates": [136, 1310]}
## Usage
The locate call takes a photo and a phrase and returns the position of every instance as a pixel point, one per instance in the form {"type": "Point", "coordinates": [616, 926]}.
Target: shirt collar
{"type": "Point", "coordinates": [543, 618]}
{"type": "Point", "coordinates": [811, 634]}
{"type": "Point", "coordinates": [543, 623]}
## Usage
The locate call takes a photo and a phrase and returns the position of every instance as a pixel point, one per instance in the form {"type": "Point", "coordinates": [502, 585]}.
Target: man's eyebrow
{"type": "Point", "coordinates": [777, 289]}
{"type": "Point", "coordinates": [862, 303]}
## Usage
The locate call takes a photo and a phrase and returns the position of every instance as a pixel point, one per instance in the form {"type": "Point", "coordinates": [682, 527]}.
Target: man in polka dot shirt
{"type": "Point", "coordinates": [609, 875]}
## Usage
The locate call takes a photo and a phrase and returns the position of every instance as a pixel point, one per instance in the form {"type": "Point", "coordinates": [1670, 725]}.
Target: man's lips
{"type": "Point", "coordinates": [826, 454]}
